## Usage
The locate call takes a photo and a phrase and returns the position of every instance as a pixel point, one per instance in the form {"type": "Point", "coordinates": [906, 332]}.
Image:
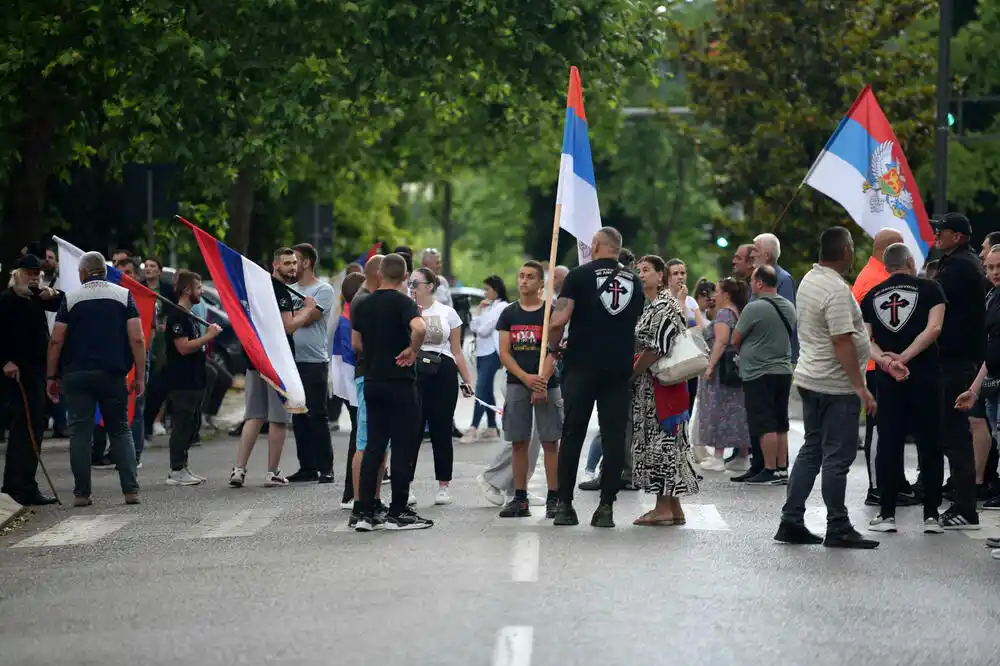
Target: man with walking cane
{"type": "Point", "coordinates": [24, 338]}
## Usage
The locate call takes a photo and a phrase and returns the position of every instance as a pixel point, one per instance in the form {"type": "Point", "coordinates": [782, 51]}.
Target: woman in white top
{"type": "Point", "coordinates": [484, 326]}
{"type": "Point", "coordinates": [439, 364]}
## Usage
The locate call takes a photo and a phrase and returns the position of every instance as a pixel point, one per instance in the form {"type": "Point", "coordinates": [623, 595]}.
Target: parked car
{"type": "Point", "coordinates": [465, 300]}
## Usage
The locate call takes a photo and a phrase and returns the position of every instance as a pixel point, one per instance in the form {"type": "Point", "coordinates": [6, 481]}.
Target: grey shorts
{"type": "Point", "coordinates": [519, 415]}
{"type": "Point", "coordinates": [260, 401]}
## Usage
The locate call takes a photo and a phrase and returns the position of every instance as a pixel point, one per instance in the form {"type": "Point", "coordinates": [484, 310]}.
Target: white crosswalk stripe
{"type": "Point", "coordinates": [226, 524]}
{"type": "Point", "coordinates": [77, 530]}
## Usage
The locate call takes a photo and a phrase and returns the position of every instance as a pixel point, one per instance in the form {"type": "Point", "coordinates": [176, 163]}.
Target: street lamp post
{"type": "Point", "coordinates": [943, 101]}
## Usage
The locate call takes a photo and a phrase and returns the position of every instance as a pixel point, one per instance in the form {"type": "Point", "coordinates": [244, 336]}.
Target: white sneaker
{"type": "Point", "coordinates": [535, 500]}
{"type": "Point", "coordinates": [880, 524]}
{"type": "Point", "coordinates": [714, 464]}
{"type": "Point", "coordinates": [589, 476]}
{"type": "Point", "coordinates": [275, 479]}
{"type": "Point", "coordinates": [995, 553]}
{"type": "Point", "coordinates": [489, 435]}
{"type": "Point", "coordinates": [181, 478]}
{"type": "Point", "coordinates": [237, 477]}
{"type": "Point", "coordinates": [442, 496]}
{"type": "Point", "coordinates": [347, 506]}
{"type": "Point", "coordinates": [492, 494]}
{"type": "Point", "coordinates": [158, 429]}
{"type": "Point", "coordinates": [470, 436]}
{"type": "Point", "coordinates": [138, 465]}
{"type": "Point", "coordinates": [738, 464]}
{"type": "Point", "coordinates": [201, 479]}
{"type": "Point", "coordinates": [412, 500]}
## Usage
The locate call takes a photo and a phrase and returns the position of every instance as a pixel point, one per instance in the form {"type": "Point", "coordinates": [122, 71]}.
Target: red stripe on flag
{"type": "Point", "coordinates": [574, 100]}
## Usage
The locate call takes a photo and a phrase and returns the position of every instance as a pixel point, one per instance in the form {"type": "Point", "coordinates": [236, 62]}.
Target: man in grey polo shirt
{"type": "Point", "coordinates": [96, 340]}
{"type": "Point", "coordinates": [312, 357]}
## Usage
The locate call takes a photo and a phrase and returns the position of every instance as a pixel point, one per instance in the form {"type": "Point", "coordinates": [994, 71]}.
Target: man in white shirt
{"type": "Point", "coordinates": [431, 259]}
{"type": "Point", "coordinates": [830, 377]}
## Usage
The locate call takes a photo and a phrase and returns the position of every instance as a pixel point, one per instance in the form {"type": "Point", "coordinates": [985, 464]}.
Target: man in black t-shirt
{"type": "Point", "coordinates": [387, 327]}
{"type": "Point", "coordinates": [601, 302]}
{"type": "Point", "coordinates": [185, 376]}
{"type": "Point", "coordinates": [533, 396]}
{"type": "Point", "coordinates": [904, 315]}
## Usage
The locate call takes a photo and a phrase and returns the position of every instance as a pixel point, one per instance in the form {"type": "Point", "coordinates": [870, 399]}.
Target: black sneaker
{"type": "Point", "coordinates": [849, 539]}
{"type": "Point", "coordinates": [767, 477]}
{"type": "Point", "coordinates": [983, 492]}
{"type": "Point", "coordinates": [516, 508]}
{"type": "Point", "coordinates": [367, 523]}
{"type": "Point", "coordinates": [353, 520]}
{"type": "Point", "coordinates": [302, 476]}
{"type": "Point", "coordinates": [381, 510]}
{"type": "Point", "coordinates": [550, 508]}
{"type": "Point", "coordinates": [104, 463]}
{"type": "Point", "coordinates": [873, 498]}
{"type": "Point", "coordinates": [796, 534]}
{"type": "Point", "coordinates": [565, 515]}
{"type": "Point", "coordinates": [745, 476]}
{"type": "Point", "coordinates": [325, 478]}
{"type": "Point", "coordinates": [593, 484]}
{"type": "Point", "coordinates": [992, 504]}
{"type": "Point", "coordinates": [604, 516]}
{"type": "Point", "coordinates": [953, 519]}
{"type": "Point", "coordinates": [780, 478]}
{"type": "Point", "coordinates": [407, 520]}
{"type": "Point", "coordinates": [907, 498]}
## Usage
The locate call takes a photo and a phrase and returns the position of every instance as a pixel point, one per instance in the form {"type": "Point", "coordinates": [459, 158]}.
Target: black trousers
{"type": "Point", "coordinates": [352, 448]}
{"type": "Point", "coordinates": [956, 377]}
{"type": "Point", "coordinates": [903, 407]}
{"type": "Point", "coordinates": [438, 397]}
{"type": "Point", "coordinates": [218, 383]}
{"type": "Point", "coordinates": [312, 430]}
{"type": "Point", "coordinates": [21, 463]}
{"type": "Point", "coordinates": [581, 389]}
{"type": "Point", "coordinates": [156, 394]}
{"type": "Point", "coordinates": [185, 417]}
{"type": "Point", "coordinates": [393, 413]}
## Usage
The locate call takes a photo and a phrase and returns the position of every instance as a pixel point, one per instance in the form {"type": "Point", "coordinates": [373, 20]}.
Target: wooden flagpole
{"type": "Point", "coordinates": [553, 251]}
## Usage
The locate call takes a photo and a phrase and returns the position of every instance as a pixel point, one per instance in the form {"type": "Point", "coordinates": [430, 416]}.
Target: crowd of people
{"type": "Point", "coordinates": [911, 354]}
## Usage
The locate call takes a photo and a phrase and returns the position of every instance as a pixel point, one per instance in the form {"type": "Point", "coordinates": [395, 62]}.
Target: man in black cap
{"type": "Point", "coordinates": [24, 339]}
{"type": "Point", "coordinates": [962, 346]}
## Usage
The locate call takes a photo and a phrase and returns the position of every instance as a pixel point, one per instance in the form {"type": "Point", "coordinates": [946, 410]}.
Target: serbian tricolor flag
{"type": "Point", "coordinates": [576, 196]}
{"type": "Point", "coordinates": [247, 296]}
{"type": "Point", "coordinates": [343, 359]}
{"type": "Point", "coordinates": [372, 251]}
{"type": "Point", "coordinates": [863, 169]}
{"type": "Point", "coordinates": [144, 297]}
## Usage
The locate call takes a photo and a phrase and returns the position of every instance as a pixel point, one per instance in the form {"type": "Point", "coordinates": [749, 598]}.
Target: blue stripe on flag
{"type": "Point", "coordinates": [233, 261]}
{"type": "Point", "coordinates": [576, 143]}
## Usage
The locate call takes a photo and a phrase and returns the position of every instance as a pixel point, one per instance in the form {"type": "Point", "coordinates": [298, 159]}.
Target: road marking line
{"type": "Point", "coordinates": [702, 517]}
{"type": "Point", "coordinates": [797, 425]}
{"type": "Point", "coordinates": [524, 558]}
{"type": "Point", "coordinates": [513, 647]}
{"type": "Point", "coordinates": [226, 524]}
{"type": "Point", "coordinates": [77, 530]}
{"type": "Point", "coordinates": [815, 519]}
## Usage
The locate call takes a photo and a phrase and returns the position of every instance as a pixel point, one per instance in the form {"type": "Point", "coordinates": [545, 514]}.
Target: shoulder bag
{"type": "Point", "coordinates": [687, 358]}
{"type": "Point", "coordinates": [729, 365]}
{"type": "Point", "coordinates": [788, 327]}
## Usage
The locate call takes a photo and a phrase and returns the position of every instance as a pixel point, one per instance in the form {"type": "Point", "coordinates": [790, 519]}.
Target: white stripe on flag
{"type": "Point", "coordinates": [488, 405]}
{"type": "Point", "coordinates": [581, 213]}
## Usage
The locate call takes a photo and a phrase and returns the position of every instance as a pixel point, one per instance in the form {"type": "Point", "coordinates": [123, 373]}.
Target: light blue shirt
{"type": "Point", "coordinates": [312, 341]}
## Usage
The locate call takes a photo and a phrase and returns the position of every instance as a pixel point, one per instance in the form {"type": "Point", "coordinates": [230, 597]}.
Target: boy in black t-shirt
{"type": "Point", "coordinates": [185, 376]}
{"type": "Point", "coordinates": [533, 397]}
{"type": "Point", "coordinates": [904, 315]}
{"type": "Point", "coordinates": [601, 302]}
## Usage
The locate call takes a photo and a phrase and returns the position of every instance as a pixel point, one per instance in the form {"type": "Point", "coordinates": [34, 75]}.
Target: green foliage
{"type": "Point", "coordinates": [769, 86]}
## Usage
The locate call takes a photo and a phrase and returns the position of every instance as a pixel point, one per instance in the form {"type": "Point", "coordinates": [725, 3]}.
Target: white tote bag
{"type": "Point", "coordinates": [688, 358]}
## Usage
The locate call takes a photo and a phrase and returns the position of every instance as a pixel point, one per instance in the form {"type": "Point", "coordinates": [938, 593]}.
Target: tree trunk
{"type": "Point", "coordinates": [240, 209]}
{"type": "Point", "coordinates": [24, 196]}
{"type": "Point", "coordinates": [676, 206]}
{"type": "Point", "coordinates": [448, 228]}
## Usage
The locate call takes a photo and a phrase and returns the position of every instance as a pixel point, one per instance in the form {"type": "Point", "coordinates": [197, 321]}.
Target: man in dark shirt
{"type": "Point", "coordinates": [96, 340]}
{"type": "Point", "coordinates": [963, 346]}
{"type": "Point", "coordinates": [24, 337]}
{"type": "Point", "coordinates": [388, 329]}
{"type": "Point", "coordinates": [904, 315]}
{"type": "Point", "coordinates": [185, 376]}
{"type": "Point", "coordinates": [601, 302]}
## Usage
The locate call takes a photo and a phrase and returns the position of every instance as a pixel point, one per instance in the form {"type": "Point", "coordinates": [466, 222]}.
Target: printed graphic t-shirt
{"type": "Point", "coordinates": [897, 310]}
{"type": "Point", "coordinates": [602, 328]}
{"type": "Point", "coordinates": [440, 321]}
{"type": "Point", "coordinates": [525, 328]}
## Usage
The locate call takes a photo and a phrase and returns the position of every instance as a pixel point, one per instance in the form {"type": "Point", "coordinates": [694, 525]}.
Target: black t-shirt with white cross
{"type": "Point", "coordinates": [897, 310]}
{"type": "Point", "coordinates": [602, 328]}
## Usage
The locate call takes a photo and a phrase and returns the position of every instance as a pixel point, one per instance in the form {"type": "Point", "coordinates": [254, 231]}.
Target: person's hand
{"type": "Point", "coordinates": [309, 303]}
{"type": "Point", "coordinates": [708, 372]}
{"type": "Point", "coordinates": [536, 383]}
{"type": "Point", "coordinates": [966, 401]}
{"type": "Point", "coordinates": [52, 388]}
{"type": "Point", "coordinates": [467, 391]}
{"type": "Point", "coordinates": [213, 331]}
{"type": "Point", "coordinates": [867, 400]}
{"type": "Point", "coordinates": [138, 387]}
{"type": "Point", "coordinates": [47, 293]}
{"type": "Point", "coordinates": [11, 371]}
{"type": "Point", "coordinates": [682, 293]}
{"type": "Point", "coordinates": [406, 358]}
{"type": "Point", "coordinates": [483, 304]}
{"type": "Point", "coordinates": [539, 397]}
{"type": "Point", "coordinates": [893, 367]}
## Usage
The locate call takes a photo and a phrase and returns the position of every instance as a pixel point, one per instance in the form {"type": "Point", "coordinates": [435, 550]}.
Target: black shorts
{"type": "Point", "coordinates": [766, 400]}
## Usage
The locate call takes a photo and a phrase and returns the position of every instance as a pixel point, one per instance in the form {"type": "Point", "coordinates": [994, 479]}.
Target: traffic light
{"type": "Point", "coordinates": [722, 242]}
{"type": "Point", "coordinates": [951, 119]}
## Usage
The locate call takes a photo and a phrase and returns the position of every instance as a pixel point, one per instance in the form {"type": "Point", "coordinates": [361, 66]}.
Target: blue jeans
{"type": "Point", "coordinates": [594, 454]}
{"type": "Point", "coordinates": [139, 427]}
{"type": "Point", "coordinates": [486, 370]}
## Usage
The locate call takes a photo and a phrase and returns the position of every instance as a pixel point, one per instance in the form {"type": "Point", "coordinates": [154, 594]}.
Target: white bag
{"type": "Point", "coordinates": [688, 358]}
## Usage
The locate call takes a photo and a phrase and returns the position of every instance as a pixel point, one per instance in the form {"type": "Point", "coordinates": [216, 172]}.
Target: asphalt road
{"type": "Point", "coordinates": [216, 576]}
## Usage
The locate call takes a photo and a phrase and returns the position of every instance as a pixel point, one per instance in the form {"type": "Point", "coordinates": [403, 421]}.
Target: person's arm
{"type": "Point", "coordinates": [746, 323]}
{"type": "Point", "coordinates": [356, 342]}
{"type": "Point", "coordinates": [137, 343]}
{"type": "Point", "coordinates": [455, 337]}
{"type": "Point", "coordinates": [56, 342]}
{"type": "Point", "coordinates": [488, 320]}
{"type": "Point", "coordinates": [418, 330]}
{"type": "Point", "coordinates": [187, 346]}
{"type": "Point", "coordinates": [309, 313]}
{"type": "Point", "coordinates": [326, 299]}
{"type": "Point", "coordinates": [786, 289]}
{"type": "Point", "coordinates": [886, 362]}
{"type": "Point", "coordinates": [562, 312]}
{"type": "Point", "coordinates": [645, 359]}
{"type": "Point", "coordinates": [843, 349]}
{"type": "Point", "coordinates": [935, 320]}
{"type": "Point", "coordinates": [719, 346]}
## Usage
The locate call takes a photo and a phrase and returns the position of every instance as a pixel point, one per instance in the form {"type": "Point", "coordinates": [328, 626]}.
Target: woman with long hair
{"type": "Point", "coordinates": [661, 456]}
{"type": "Point", "coordinates": [484, 326]}
{"type": "Point", "coordinates": [722, 421]}
{"type": "Point", "coordinates": [439, 365]}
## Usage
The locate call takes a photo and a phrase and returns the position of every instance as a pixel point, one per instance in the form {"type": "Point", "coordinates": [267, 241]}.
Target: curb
{"type": "Point", "coordinates": [9, 509]}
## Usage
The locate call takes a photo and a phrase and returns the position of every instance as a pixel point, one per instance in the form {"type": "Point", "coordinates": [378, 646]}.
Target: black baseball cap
{"type": "Point", "coordinates": [953, 222]}
{"type": "Point", "coordinates": [28, 262]}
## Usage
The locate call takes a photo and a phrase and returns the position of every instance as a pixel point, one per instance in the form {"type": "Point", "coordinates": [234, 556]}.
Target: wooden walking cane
{"type": "Point", "coordinates": [34, 443]}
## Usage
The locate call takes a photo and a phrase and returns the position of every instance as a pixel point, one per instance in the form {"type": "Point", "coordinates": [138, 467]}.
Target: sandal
{"type": "Point", "coordinates": [648, 520]}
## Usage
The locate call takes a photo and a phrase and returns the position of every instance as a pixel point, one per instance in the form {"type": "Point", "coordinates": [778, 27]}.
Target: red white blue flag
{"type": "Point", "coordinates": [576, 194]}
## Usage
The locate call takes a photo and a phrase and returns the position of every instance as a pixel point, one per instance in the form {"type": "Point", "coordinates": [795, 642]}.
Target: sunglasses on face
{"type": "Point", "coordinates": [415, 283]}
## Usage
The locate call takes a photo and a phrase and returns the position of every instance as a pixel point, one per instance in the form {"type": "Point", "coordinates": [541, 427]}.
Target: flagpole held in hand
{"type": "Point", "coordinates": [34, 442]}
{"type": "Point", "coordinates": [553, 249]}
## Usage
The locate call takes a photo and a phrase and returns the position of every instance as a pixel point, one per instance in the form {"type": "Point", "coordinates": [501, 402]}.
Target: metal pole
{"type": "Point", "coordinates": [149, 211]}
{"type": "Point", "coordinates": [943, 101]}
{"type": "Point", "coordinates": [316, 226]}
